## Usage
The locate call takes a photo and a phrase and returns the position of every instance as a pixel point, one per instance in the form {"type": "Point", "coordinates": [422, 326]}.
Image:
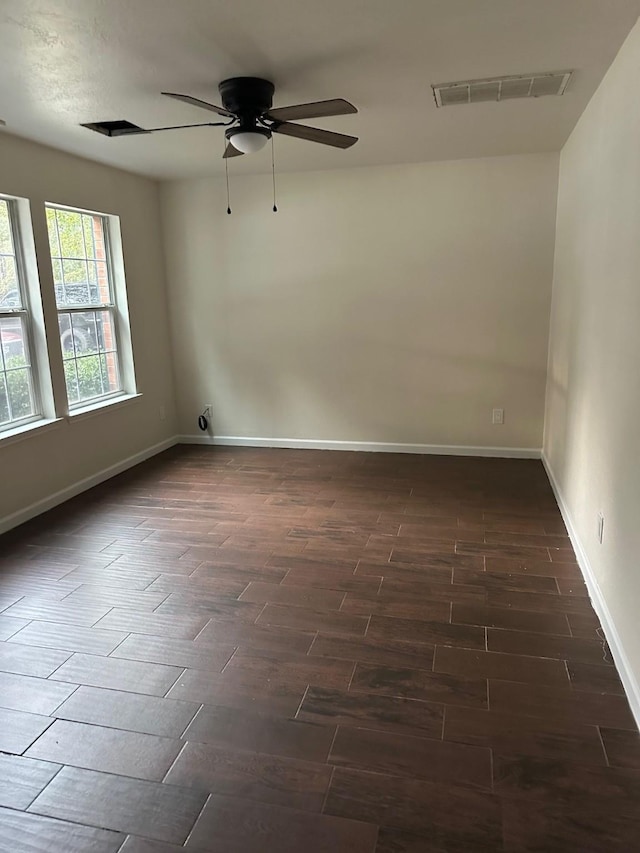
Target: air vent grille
{"type": "Point", "coordinates": [501, 88]}
{"type": "Point", "coordinates": [120, 127]}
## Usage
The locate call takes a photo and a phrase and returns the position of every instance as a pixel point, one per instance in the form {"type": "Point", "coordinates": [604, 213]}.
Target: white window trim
{"type": "Point", "coordinates": [123, 326]}
{"type": "Point", "coordinates": [120, 308]}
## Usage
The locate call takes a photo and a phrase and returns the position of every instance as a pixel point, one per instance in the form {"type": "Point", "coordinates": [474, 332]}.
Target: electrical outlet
{"type": "Point", "coordinates": [600, 527]}
{"type": "Point", "coordinates": [208, 410]}
{"type": "Point", "coordinates": [498, 416]}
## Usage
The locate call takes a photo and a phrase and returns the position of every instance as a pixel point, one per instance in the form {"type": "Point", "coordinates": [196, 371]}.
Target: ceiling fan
{"type": "Point", "coordinates": [247, 102]}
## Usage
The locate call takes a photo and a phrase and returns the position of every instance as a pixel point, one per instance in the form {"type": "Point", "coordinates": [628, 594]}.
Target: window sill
{"type": "Point", "coordinates": [30, 430]}
{"type": "Point", "coordinates": [97, 408]}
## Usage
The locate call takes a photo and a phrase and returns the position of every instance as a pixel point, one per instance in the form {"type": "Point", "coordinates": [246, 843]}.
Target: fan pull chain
{"type": "Point", "coordinates": [226, 168]}
{"type": "Point", "coordinates": [273, 173]}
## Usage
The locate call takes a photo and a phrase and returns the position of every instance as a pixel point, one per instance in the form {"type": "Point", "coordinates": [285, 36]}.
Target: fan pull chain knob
{"type": "Point", "coordinates": [226, 170]}
{"type": "Point", "coordinates": [273, 173]}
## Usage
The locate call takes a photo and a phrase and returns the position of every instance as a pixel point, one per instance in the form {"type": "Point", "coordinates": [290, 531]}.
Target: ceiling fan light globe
{"type": "Point", "coordinates": [248, 141]}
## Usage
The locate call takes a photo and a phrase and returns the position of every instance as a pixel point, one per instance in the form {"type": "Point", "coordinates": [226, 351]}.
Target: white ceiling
{"type": "Point", "coordinates": [63, 62]}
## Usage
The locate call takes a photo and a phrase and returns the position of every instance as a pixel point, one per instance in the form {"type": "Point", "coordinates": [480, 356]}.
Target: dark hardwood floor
{"type": "Point", "coordinates": [274, 651]}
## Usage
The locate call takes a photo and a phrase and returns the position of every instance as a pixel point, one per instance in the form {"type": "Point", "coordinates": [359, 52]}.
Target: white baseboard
{"type": "Point", "coordinates": [625, 670]}
{"type": "Point", "coordinates": [22, 515]}
{"type": "Point", "coordinates": [368, 446]}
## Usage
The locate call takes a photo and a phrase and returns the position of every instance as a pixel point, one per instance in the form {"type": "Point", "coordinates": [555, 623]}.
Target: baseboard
{"type": "Point", "coordinates": [625, 671]}
{"type": "Point", "coordinates": [22, 515]}
{"type": "Point", "coordinates": [366, 446]}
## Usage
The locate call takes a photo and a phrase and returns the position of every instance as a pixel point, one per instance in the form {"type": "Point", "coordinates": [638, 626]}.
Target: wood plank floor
{"type": "Point", "coordinates": [276, 651]}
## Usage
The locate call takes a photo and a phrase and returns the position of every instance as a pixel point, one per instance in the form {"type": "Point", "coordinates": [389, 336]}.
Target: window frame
{"type": "Point", "coordinates": [30, 315]}
{"type": "Point", "coordinates": [118, 309]}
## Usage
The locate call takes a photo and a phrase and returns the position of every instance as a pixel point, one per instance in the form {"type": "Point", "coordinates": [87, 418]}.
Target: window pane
{"type": "Point", "coordinates": [77, 334]}
{"type": "Point", "coordinates": [75, 273]}
{"type": "Point", "coordinates": [104, 288]}
{"type": "Point", "coordinates": [13, 338]}
{"type": "Point", "coordinates": [57, 273]}
{"type": "Point", "coordinates": [5, 415]}
{"type": "Point", "coordinates": [52, 228]}
{"type": "Point", "coordinates": [89, 225]}
{"type": "Point", "coordinates": [67, 340]}
{"type": "Point", "coordinates": [71, 378]}
{"type": "Point", "coordinates": [6, 237]}
{"type": "Point", "coordinates": [106, 331]}
{"type": "Point", "coordinates": [110, 372]}
{"type": "Point", "coordinates": [20, 393]}
{"type": "Point", "coordinates": [9, 290]}
{"type": "Point", "coordinates": [72, 294]}
{"type": "Point", "coordinates": [70, 233]}
{"type": "Point", "coordinates": [86, 332]}
{"type": "Point", "coordinates": [74, 287]}
{"type": "Point", "coordinates": [90, 377]}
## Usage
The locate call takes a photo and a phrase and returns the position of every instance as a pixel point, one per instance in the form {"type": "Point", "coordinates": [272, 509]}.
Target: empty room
{"type": "Point", "coordinates": [319, 405]}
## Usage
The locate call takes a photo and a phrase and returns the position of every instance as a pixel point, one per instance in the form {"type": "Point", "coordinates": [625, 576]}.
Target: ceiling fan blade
{"type": "Point", "coordinates": [196, 102]}
{"type": "Point", "coordinates": [314, 134]}
{"type": "Point", "coordinates": [317, 109]}
{"type": "Point", "coordinates": [231, 151]}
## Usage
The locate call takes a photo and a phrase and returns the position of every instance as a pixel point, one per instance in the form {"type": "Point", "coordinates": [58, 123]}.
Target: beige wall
{"type": "Point", "coordinates": [36, 467]}
{"type": "Point", "coordinates": [390, 304]}
{"type": "Point", "coordinates": [592, 433]}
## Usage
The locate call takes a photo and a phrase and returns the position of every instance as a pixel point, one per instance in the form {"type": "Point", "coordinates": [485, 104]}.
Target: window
{"type": "Point", "coordinates": [19, 397]}
{"type": "Point", "coordinates": [89, 314]}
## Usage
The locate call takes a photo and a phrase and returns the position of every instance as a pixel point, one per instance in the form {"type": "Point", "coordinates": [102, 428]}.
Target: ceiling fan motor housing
{"type": "Point", "coordinates": [247, 97]}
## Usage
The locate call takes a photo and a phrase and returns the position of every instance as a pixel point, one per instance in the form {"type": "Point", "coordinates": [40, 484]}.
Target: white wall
{"type": "Point", "coordinates": [36, 467]}
{"type": "Point", "coordinates": [592, 432]}
{"type": "Point", "coordinates": [389, 304]}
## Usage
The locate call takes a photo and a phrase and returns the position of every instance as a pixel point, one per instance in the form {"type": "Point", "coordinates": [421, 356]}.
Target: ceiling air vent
{"type": "Point", "coordinates": [501, 88]}
{"type": "Point", "coordinates": [114, 128]}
